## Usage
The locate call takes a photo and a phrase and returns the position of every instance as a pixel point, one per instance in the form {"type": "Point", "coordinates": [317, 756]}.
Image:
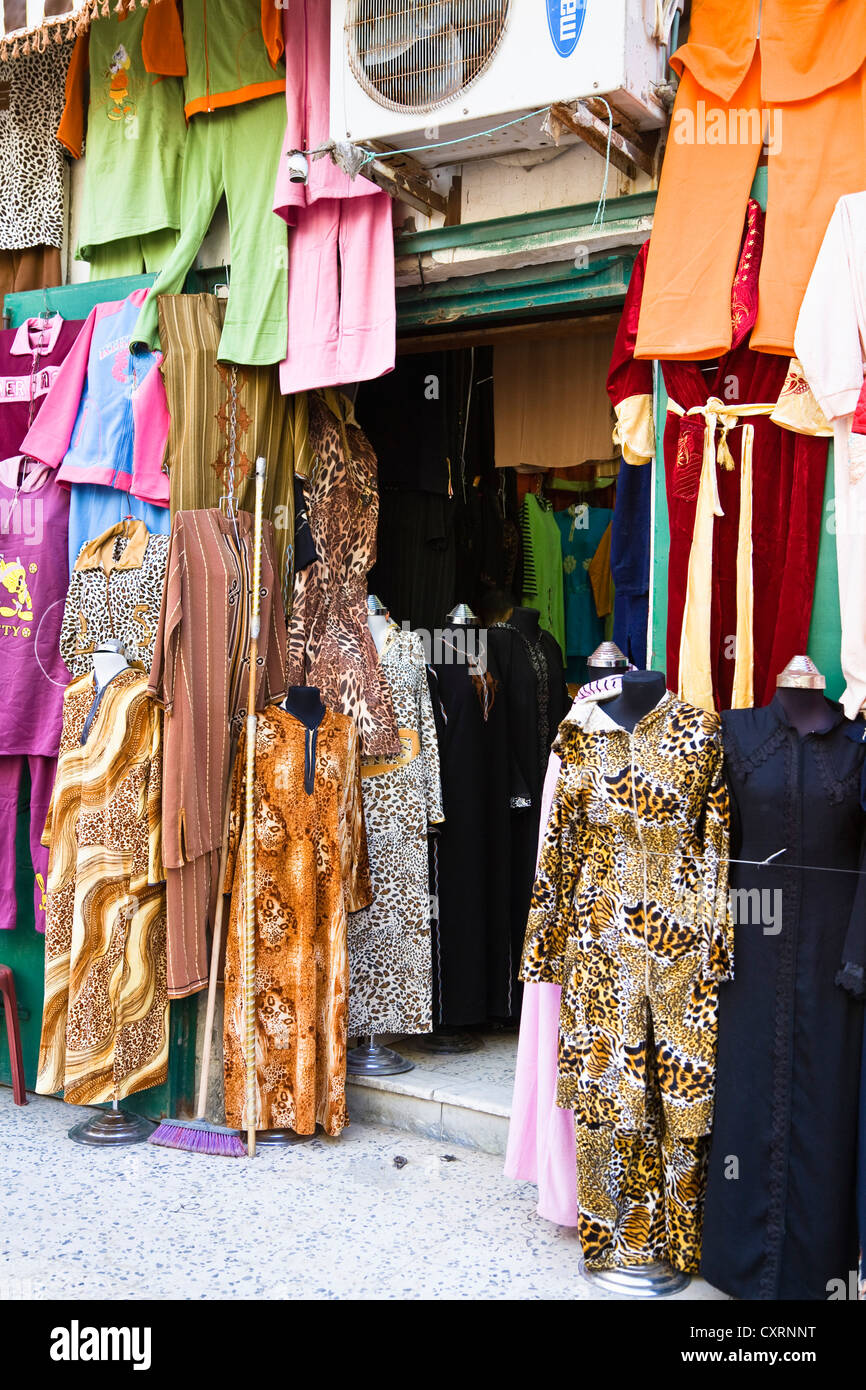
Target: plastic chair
{"type": "Point", "coordinates": [16, 1058]}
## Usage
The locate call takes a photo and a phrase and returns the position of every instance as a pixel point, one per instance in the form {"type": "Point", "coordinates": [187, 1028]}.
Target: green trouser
{"type": "Point", "coordinates": [132, 254]}
{"type": "Point", "coordinates": [234, 150]}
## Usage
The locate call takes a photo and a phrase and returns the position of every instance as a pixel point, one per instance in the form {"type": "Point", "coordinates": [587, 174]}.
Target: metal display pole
{"type": "Point", "coordinates": [644, 1281]}
{"type": "Point", "coordinates": [110, 1127]}
{"type": "Point", "coordinates": [373, 1059]}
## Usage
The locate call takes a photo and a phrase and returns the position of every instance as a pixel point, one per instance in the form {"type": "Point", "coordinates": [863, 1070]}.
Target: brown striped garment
{"type": "Point", "coordinates": [199, 391]}
{"type": "Point", "coordinates": [200, 676]}
{"type": "Point", "coordinates": [105, 1018]}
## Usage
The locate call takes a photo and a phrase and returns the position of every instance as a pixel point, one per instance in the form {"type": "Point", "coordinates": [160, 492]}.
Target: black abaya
{"type": "Point", "coordinates": [780, 1218]}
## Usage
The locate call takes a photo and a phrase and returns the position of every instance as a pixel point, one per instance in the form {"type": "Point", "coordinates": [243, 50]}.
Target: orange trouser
{"type": "Point", "coordinates": [816, 153]}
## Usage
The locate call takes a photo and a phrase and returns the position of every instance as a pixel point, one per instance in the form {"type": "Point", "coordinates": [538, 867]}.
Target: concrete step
{"type": "Point", "coordinates": [460, 1098]}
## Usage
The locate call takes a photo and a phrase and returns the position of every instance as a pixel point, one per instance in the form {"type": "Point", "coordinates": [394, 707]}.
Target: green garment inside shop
{"type": "Point", "coordinates": [542, 567]}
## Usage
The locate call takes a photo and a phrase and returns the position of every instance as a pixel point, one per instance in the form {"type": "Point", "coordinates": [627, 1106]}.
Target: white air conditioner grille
{"type": "Point", "coordinates": [417, 55]}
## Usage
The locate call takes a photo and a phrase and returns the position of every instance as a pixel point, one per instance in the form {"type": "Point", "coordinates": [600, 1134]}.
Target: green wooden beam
{"type": "Point", "coordinates": [536, 290]}
{"type": "Point", "coordinates": [619, 212]}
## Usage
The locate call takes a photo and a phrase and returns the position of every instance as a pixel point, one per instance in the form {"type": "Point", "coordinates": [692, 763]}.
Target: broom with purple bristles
{"type": "Point", "coordinates": [198, 1136]}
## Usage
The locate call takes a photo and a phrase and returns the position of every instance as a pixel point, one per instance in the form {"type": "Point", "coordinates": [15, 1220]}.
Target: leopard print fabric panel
{"type": "Point", "coordinates": [629, 913]}
{"type": "Point", "coordinates": [124, 603]}
{"type": "Point", "coordinates": [390, 958]}
{"type": "Point", "coordinates": [32, 96]}
{"type": "Point", "coordinates": [329, 642]}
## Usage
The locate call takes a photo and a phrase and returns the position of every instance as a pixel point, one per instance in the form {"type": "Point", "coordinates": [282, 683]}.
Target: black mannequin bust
{"type": "Point", "coordinates": [808, 710]}
{"type": "Point", "coordinates": [526, 620]}
{"type": "Point", "coordinates": [305, 703]}
{"type": "Point", "coordinates": [641, 692]}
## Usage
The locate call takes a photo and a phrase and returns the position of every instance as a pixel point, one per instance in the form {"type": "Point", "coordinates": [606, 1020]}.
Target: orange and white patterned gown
{"type": "Point", "coordinates": [311, 870]}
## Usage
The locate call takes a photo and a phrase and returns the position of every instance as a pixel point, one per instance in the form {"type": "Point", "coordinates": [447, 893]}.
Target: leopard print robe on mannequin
{"type": "Point", "coordinates": [390, 957]}
{"type": "Point", "coordinates": [629, 915]}
{"type": "Point", "coordinates": [330, 645]}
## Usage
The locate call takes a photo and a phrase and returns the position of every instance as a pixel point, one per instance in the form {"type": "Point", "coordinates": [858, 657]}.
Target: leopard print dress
{"type": "Point", "coordinates": [390, 957]}
{"type": "Point", "coordinates": [329, 642]}
{"type": "Point", "coordinates": [32, 97]}
{"type": "Point", "coordinates": [629, 915]}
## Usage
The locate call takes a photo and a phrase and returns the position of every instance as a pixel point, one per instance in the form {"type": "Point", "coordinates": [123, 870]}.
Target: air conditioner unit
{"type": "Point", "coordinates": [413, 72]}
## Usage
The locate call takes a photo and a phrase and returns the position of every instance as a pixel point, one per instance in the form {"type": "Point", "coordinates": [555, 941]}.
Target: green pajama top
{"type": "Point", "coordinates": [136, 133]}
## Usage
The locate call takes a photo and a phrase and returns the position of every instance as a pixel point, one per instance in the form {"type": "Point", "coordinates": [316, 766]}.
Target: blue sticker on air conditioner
{"type": "Point", "coordinates": [565, 21]}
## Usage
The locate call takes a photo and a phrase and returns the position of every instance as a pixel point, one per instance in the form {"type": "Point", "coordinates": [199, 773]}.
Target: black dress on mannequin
{"type": "Point", "coordinates": [469, 980]}
{"type": "Point", "coordinates": [780, 1222]}
{"type": "Point", "coordinates": [531, 702]}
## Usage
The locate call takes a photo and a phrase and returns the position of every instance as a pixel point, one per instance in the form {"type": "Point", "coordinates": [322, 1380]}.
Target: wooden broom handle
{"type": "Point", "coordinates": [216, 944]}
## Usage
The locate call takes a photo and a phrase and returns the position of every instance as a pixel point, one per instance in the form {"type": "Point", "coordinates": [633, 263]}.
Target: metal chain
{"type": "Point", "coordinates": [233, 435]}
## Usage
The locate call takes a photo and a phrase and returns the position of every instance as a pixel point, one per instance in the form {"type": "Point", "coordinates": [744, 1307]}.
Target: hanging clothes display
{"type": "Point", "coordinates": [330, 646]}
{"type": "Point", "coordinates": [311, 870]}
{"type": "Point", "coordinates": [115, 591]}
{"type": "Point", "coordinates": [31, 164]}
{"type": "Point", "coordinates": [105, 419]}
{"type": "Point", "coordinates": [341, 306]}
{"type": "Point", "coordinates": [829, 344]}
{"type": "Point", "coordinates": [105, 1019]}
{"type": "Point", "coordinates": [124, 93]}
{"type": "Point", "coordinates": [629, 915]}
{"type": "Point", "coordinates": [223, 418]}
{"type": "Point", "coordinates": [743, 573]}
{"type": "Point", "coordinates": [543, 567]}
{"type": "Point", "coordinates": [471, 943]}
{"type": "Point", "coordinates": [30, 357]}
{"type": "Point", "coordinates": [795, 70]}
{"type": "Point", "coordinates": [233, 94]}
{"type": "Point", "coordinates": [581, 529]}
{"type": "Point", "coordinates": [789, 1037]}
{"type": "Point", "coordinates": [200, 676]}
{"type": "Point", "coordinates": [390, 959]}
{"type": "Point", "coordinates": [33, 517]}
{"type": "Point", "coordinates": [531, 701]}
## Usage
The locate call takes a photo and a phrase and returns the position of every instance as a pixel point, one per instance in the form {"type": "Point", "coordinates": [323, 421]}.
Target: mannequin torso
{"type": "Point", "coordinates": [808, 710]}
{"type": "Point", "coordinates": [526, 621]}
{"type": "Point", "coordinates": [305, 703]}
{"type": "Point", "coordinates": [380, 625]}
{"type": "Point", "coordinates": [641, 692]}
{"type": "Point", "coordinates": [107, 665]}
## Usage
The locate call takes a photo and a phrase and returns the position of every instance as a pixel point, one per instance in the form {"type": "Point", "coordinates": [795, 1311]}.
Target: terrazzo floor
{"type": "Point", "coordinates": [341, 1220]}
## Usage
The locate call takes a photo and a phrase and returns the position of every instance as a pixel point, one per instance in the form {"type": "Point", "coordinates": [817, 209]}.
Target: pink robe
{"type": "Point", "coordinates": [541, 1142]}
{"type": "Point", "coordinates": [342, 307]}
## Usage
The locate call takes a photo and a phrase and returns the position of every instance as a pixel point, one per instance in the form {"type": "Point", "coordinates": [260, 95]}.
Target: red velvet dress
{"type": "Point", "coordinates": [787, 486]}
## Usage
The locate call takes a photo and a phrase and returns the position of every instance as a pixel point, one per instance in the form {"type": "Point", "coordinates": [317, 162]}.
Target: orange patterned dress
{"type": "Point", "coordinates": [311, 871]}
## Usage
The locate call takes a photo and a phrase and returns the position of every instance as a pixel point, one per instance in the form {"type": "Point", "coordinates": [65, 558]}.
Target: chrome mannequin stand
{"type": "Point", "coordinates": [644, 1281]}
{"type": "Point", "coordinates": [110, 1127]}
{"type": "Point", "coordinates": [449, 1040]}
{"type": "Point", "coordinates": [281, 1136]}
{"type": "Point", "coordinates": [373, 1059]}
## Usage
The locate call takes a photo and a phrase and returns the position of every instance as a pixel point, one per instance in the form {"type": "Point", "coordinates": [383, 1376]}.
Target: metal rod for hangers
{"type": "Point", "coordinates": [249, 826]}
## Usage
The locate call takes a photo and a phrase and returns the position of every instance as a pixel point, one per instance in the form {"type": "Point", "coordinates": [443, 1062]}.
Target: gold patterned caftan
{"type": "Point", "coordinates": [105, 1017]}
{"type": "Point", "coordinates": [311, 870]}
